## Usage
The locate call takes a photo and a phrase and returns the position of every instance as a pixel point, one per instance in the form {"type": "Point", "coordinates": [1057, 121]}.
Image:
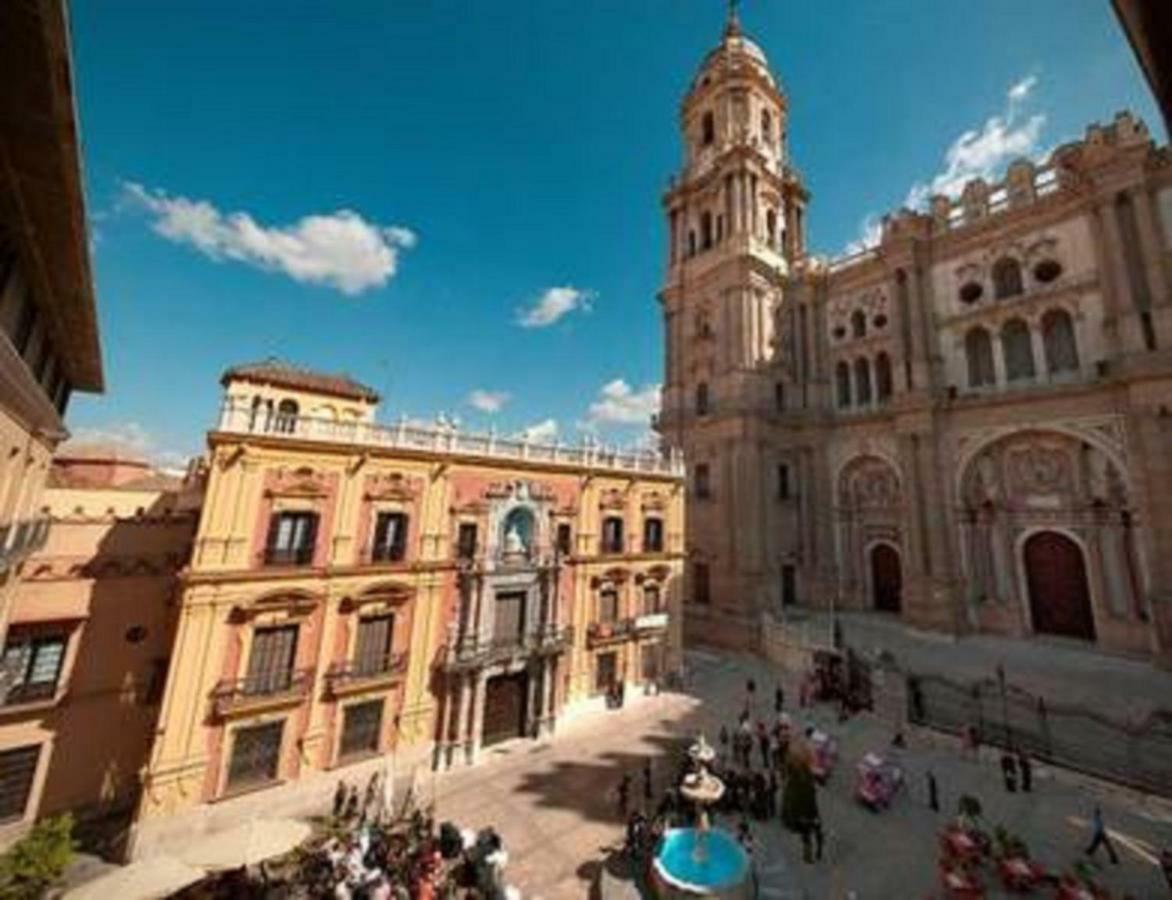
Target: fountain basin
{"type": "Point", "coordinates": [719, 869]}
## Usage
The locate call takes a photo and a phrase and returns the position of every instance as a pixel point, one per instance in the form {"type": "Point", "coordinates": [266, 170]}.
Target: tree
{"type": "Point", "coordinates": [37, 860]}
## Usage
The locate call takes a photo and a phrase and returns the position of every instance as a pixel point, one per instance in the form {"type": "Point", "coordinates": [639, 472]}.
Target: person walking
{"type": "Point", "coordinates": [1026, 768]}
{"type": "Point", "coordinates": [778, 699]}
{"type": "Point", "coordinates": [1009, 772]}
{"type": "Point", "coordinates": [763, 743]}
{"type": "Point", "coordinates": [1100, 838]}
{"type": "Point", "coordinates": [624, 794]}
{"type": "Point", "coordinates": [647, 792]}
{"type": "Point", "coordinates": [933, 792]}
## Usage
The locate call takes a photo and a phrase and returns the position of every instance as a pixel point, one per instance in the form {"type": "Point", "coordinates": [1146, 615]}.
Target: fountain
{"type": "Point", "coordinates": [701, 861]}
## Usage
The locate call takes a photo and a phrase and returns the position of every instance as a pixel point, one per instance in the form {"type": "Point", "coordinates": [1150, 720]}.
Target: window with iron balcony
{"type": "Point", "coordinates": [612, 534]}
{"type": "Point", "coordinates": [292, 538]}
{"type": "Point", "coordinates": [390, 537]}
{"type": "Point", "coordinates": [270, 664]}
{"type": "Point", "coordinates": [652, 535]}
{"type": "Point", "coordinates": [33, 661]}
{"type": "Point", "coordinates": [466, 541]}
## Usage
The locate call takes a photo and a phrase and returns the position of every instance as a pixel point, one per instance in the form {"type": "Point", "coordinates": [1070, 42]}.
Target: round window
{"type": "Point", "coordinates": [970, 292]}
{"type": "Point", "coordinates": [880, 321]}
{"type": "Point", "coordinates": [839, 333]}
{"type": "Point", "coordinates": [136, 634]}
{"type": "Point", "coordinates": [1047, 270]}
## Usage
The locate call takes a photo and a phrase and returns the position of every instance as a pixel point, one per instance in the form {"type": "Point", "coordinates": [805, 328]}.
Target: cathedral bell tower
{"type": "Point", "coordinates": [736, 223]}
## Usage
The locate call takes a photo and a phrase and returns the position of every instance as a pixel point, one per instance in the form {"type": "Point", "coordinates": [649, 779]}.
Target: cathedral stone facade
{"type": "Point", "coordinates": [968, 426]}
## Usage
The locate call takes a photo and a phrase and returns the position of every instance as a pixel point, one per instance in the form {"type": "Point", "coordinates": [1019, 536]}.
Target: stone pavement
{"type": "Point", "coordinates": [555, 803]}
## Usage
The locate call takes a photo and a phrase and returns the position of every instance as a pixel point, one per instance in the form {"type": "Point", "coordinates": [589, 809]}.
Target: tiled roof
{"type": "Point", "coordinates": [274, 371]}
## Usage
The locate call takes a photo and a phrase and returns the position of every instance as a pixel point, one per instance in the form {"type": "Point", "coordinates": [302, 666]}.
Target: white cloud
{"type": "Point", "coordinates": [619, 404]}
{"type": "Point", "coordinates": [488, 401]}
{"type": "Point", "coordinates": [552, 305]}
{"type": "Point", "coordinates": [543, 432]}
{"type": "Point", "coordinates": [340, 250]}
{"type": "Point", "coordinates": [977, 153]}
{"type": "Point", "coordinates": [132, 437]}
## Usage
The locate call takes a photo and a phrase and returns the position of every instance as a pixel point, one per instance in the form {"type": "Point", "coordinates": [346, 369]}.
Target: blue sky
{"type": "Point", "coordinates": [443, 197]}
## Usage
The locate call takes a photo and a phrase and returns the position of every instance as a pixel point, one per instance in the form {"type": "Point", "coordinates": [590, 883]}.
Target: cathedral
{"type": "Point", "coordinates": [967, 426]}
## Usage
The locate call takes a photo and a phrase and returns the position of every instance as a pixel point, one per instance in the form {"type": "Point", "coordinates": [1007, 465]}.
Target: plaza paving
{"type": "Point", "coordinates": [555, 802]}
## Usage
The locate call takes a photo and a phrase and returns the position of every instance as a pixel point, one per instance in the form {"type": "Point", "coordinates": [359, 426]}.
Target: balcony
{"type": "Point", "coordinates": [366, 674]}
{"type": "Point", "coordinates": [649, 623]}
{"type": "Point", "coordinates": [265, 690]}
{"type": "Point", "coordinates": [288, 556]}
{"type": "Point", "coordinates": [471, 652]}
{"type": "Point", "coordinates": [42, 693]}
{"type": "Point", "coordinates": [613, 632]}
{"type": "Point", "coordinates": [19, 540]}
{"type": "Point", "coordinates": [611, 547]}
{"type": "Point", "coordinates": [236, 418]}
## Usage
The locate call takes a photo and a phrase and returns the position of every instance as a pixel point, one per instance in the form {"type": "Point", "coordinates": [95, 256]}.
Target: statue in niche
{"type": "Point", "coordinates": [514, 544]}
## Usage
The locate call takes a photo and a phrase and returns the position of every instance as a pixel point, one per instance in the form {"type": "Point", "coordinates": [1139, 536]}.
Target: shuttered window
{"type": "Point", "coordinates": [374, 644]}
{"type": "Point", "coordinates": [256, 753]}
{"type": "Point", "coordinates": [361, 727]}
{"type": "Point", "coordinates": [18, 768]}
{"type": "Point", "coordinates": [270, 665]}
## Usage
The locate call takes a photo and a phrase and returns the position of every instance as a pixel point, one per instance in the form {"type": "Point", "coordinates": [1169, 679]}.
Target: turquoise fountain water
{"type": "Point", "coordinates": [701, 861]}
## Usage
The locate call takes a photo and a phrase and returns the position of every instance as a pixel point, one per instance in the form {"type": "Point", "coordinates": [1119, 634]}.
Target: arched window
{"type": "Point", "coordinates": [708, 129]}
{"type": "Point", "coordinates": [1017, 350]}
{"type": "Point", "coordinates": [766, 126]}
{"type": "Point", "coordinates": [1058, 338]}
{"type": "Point", "coordinates": [863, 381]}
{"type": "Point", "coordinates": [1006, 278]}
{"type": "Point", "coordinates": [256, 403]}
{"type": "Point", "coordinates": [883, 377]}
{"type": "Point", "coordinates": [771, 227]}
{"type": "Point", "coordinates": [702, 398]}
{"type": "Point", "coordinates": [286, 421]}
{"type": "Point", "coordinates": [978, 350]}
{"type": "Point", "coordinates": [858, 323]}
{"type": "Point", "coordinates": [517, 531]}
{"type": "Point", "coordinates": [691, 242]}
{"type": "Point", "coordinates": [842, 380]}
{"type": "Point", "coordinates": [705, 230]}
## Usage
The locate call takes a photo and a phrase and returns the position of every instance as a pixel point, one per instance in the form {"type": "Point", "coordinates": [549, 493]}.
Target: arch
{"type": "Point", "coordinates": [705, 230]}
{"type": "Point", "coordinates": [707, 128]}
{"type": "Point", "coordinates": [886, 577]}
{"type": "Point", "coordinates": [766, 126]}
{"type": "Point", "coordinates": [858, 323]}
{"type": "Point", "coordinates": [702, 398]}
{"type": "Point", "coordinates": [518, 525]}
{"type": "Point", "coordinates": [1056, 579]}
{"type": "Point", "coordinates": [883, 377]}
{"type": "Point", "coordinates": [1007, 280]}
{"type": "Point", "coordinates": [869, 482]}
{"type": "Point", "coordinates": [1059, 341]}
{"type": "Point", "coordinates": [862, 381]}
{"type": "Point", "coordinates": [771, 227]}
{"type": "Point", "coordinates": [978, 352]}
{"type": "Point", "coordinates": [286, 420]}
{"type": "Point", "coordinates": [1018, 350]}
{"type": "Point", "coordinates": [842, 379]}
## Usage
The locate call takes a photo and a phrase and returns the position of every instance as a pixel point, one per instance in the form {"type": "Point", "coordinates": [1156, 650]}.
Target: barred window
{"type": "Point", "coordinates": [361, 729]}
{"type": "Point", "coordinates": [18, 768]}
{"type": "Point", "coordinates": [256, 753]}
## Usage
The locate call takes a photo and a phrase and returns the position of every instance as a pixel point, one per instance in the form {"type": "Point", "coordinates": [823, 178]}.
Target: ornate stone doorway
{"type": "Point", "coordinates": [886, 579]}
{"type": "Point", "coordinates": [504, 708]}
{"type": "Point", "coordinates": [1060, 597]}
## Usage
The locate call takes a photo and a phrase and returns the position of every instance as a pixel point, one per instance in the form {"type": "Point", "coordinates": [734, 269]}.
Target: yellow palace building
{"type": "Point", "coordinates": [364, 597]}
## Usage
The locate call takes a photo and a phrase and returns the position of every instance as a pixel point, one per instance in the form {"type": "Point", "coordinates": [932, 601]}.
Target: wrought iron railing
{"type": "Point", "coordinates": [471, 651]}
{"type": "Point", "coordinates": [19, 540]}
{"type": "Point", "coordinates": [288, 556]}
{"type": "Point", "coordinates": [384, 667]}
{"type": "Point", "coordinates": [30, 693]}
{"type": "Point", "coordinates": [614, 630]}
{"type": "Point", "coordinates": [261, 687]}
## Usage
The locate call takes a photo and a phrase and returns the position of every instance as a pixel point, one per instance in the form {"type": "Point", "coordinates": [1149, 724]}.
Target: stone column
{"type": "Point", "coordinates": [460, 738]}
{"type": "Point", "coordinates": [480, 687]}
{"type": "Point", "coordinates": [444, 745]}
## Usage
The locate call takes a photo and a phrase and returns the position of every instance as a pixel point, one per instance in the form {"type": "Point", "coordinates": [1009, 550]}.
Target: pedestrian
{"type": "Point", "coordinates": [804, 691]}
{"type": "Point", "coordinates": [1009, 772]}
{"type": "Point", "coordinates": [624, 794]}
{"type": "Point", "coordinates": [763, 743]}
{"type": "Point", "coordinates": [771, 795]}
{"type": "Point", "coordinates": [1027, 770]}
{"type": "Point", "coordinates": [1100, 838]}
{"type": "Point", "coordinates": [778, 699]}
{"type": "Point", "coordinates": [971, 742]}
{"type": "Point", "coordinates": [339, 799]}
{"type": "Point", "coordinates": [647, 793]}
{"type": "Point", "coordinates": [933, 792]}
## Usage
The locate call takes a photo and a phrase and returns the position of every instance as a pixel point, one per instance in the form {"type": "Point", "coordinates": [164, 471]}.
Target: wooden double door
{"type": "Point", "coordinates": [1060, 596]}
{"type": "Point", "coordinates": [886, 578]}
{"type": "Point", "coordinates": [505, 707]}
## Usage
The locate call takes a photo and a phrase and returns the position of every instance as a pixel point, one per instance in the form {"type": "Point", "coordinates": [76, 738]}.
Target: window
{"type": "Point", "coordinates": [783, 482]}
{"type": "Point", "coordinates": [653, 535]}
{"type": "Point", "coordinates": [652, 600]}
{"type": "Point", "coordinates": [565, 544]}
{"type": "Point", "coordinates": [372, 649]}
{"type": "Point", "coordinates": [978, 351]}
{"type": "Point", "coordinates": [691, 242]}
{"type": "Point", "coordinates": [700, 586]}
{"type": "Point", "coordinates": [789, 586]}
{"type": "Point", "coordinates": [779, 397]}
{"type": "Point", "coordinates": [1018, 350]}
{"type": "Point", "coordinates": [771, 227]}
{"type": "Point", "coordinates": [883, 377]}
{"type": "Point", "coordinates": [707, 129]}
{"type": "Point", "coordinates": [18, 768]}
{"type": "Point", "coordinates": [1047, 270]}
{"type": "Point", "coordinates": [702, 398]}
{"type": "Point", "coordinates": [612, 534]}
{"type": "Point", "coordinates": [863, 381]}
{"type": "Point", "coordinates": [1006, 278]}
{"type": "Point", "coordinates": [390, 537]}
{"type": "Point", "coordinates": [361, 729]}
{"type": "Point", "coordinates": [466, 540]}
{"type": "Point", "coordinates": [256, 753]}
{"type": "Point", "coordinates": [292, 537]}
{"type": "Point", "coordinates": [270, 663]}
{"type": "Point", "coordinates": [1059, 341]}
{"type": "Point", "coordinates": [858, 323]}
{"type": "Point", "coordinates": [766, 126]}
{"type": "Point", "coordinates": [970, 292]}
{"type": "Point", "coordinates": [842, 380]}
{"type": "Point", "coordinates": [35, 664]}
{"type": "Point", "coordinates": [605, 672]}
{"type": "Point", "coordinates": [705, 230]}
{"type": "Point", "coordinates": [509, 617]}
{"type": "Point", "coordinates": [286, 421]}
{"type": "Point", "coordinates": [700, 481]}
{"type": "Point", "coordinates": [608, 605]}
